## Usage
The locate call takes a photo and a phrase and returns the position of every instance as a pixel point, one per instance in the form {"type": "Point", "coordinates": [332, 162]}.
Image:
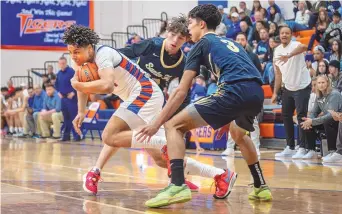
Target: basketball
{"type": "Point", "coordinates": [88, 73]}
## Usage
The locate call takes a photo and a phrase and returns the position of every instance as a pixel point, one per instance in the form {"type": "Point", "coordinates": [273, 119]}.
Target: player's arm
{"type": "Point", "coordinates": [192, 69]}
{"type": "Point", "coordinates": [138, 49]}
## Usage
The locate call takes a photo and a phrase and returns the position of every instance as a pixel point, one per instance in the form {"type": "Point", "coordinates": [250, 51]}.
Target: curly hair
{"type": "Point", "coordinates": [80, 36]}
{"type": "Point", "coordinates": [178, 25]}
{"type": "Point", "coordinates": [208, 13]}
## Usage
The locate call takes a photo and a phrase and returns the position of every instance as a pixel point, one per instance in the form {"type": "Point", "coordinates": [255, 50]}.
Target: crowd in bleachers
{"type": "Point", "coordinates": [317, 24]}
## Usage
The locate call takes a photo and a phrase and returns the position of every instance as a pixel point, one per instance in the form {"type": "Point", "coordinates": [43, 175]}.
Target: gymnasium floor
{"type": "Point", "coordinates": [47, 178]}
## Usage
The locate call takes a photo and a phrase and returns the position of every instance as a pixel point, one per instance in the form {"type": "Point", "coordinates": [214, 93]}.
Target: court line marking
{"type": "Point", "coordinates": [78, 199]}
{"type": "Point", "coordinates": [77, 191]}
{"type": "Point", "coordinates": [79, 168]}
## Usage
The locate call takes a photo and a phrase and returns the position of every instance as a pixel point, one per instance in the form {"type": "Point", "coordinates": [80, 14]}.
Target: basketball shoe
{"type": "Point", "coordinates": [90, 181]}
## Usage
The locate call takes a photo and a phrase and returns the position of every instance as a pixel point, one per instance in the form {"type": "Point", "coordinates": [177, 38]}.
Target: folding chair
{"type": "Point", "coordinates": [90, 121]}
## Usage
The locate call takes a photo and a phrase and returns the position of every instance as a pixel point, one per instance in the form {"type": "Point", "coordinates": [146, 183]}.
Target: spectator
{"type": "Point", "coordinates": [232, 10]}
{"type": "Point", "coordinates": [37, 106]}
{"type": "Point", "coordinates": [336, 52]}
{"type": "Point", "coordinates": [275, 16]}
{"type": "Point", "coordinates": [16, 110]}
{"type": "Point", "coordinates": [290, 69]}
{"type": "Point", "coordinates": [335, 74]}
{"type": "Point", "coordinates": [262, 47]}
{"type": "Point", "coordinates": [267, 66]}
{"type": "Point", "coordinates": [302, 18]}
{"type": "Point", "coordinates": [256, 7]}
{"type": "Point", "coordinates": [336, 157]}
{"type": "Point", "coordinates": [274, 29]}
{"type": "Point", "coordinates": [46, 81]}
{"type": "Point", "coordinates": [224, 16]}
{"type": "Point", "coordinates": [8, 117]}
{"type": "Point", "coordinates": [321, 26]}
{"type": "Point", "coordinates": [53, 80]}
{"type": "Point", "coordinates": [187, 47]}
{"type": "Point", "coordinates": [10, 87]}
{"type": "Point", "coordinates": [4, 94]}
{"type": "Point", "coordinates": [256, 33]}
{"type": "Point", "coordinates": [68, 98]}
{"type": "Point", "coordinates": [243, 7]}
{"type": "Point", "coordinates": [331, 32]}
{"type": "Point", "coordinates": [29, 126]}
{"type": "Point", "coordinates": [264, 14]}
{"type": "Point", "coordinates": [162, 32]}
{"type": "Point", "coordinates": [318, 57]}
{"type": "Point", "coordinates": [50, 73]}
{"type": "Point", "coordinates": [212, 86]}
{"type": "Point", "coordinates": [275, 7]}
{"type": "Point", "coordinates": [327, 99]}
{"type": "Point", "coordinates": [244, 17]}
{"type": "Point", "coordinates": [234, 27]}
{"type": "Point", "coordinates": [323, 68]}
{"type": "Point", "coordinates": [333, 6]}
{"type": "Point", "coordinates": [242, 40]}
{"type": "Point", "coordinates": [248, 31]}
{"type": "Point", "coordinates": [51, 114]}
{"type": "Point", "coordinates": [221, 30]}
{"type": "Point", "coordinates": [198, 89]}
{"type": "Point", "coordinates": [313, 95]}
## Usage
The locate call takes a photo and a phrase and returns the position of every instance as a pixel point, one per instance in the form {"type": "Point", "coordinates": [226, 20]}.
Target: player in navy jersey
{"type": "Point", "coordinates": [238, 99]}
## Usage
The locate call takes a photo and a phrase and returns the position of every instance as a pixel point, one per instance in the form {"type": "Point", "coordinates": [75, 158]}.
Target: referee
{"type": "Point", "coordinates": [291, 70]}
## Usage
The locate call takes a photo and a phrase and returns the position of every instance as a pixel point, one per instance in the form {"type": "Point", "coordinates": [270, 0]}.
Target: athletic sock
{"type": "Point", "coordinates": [11, 129]}
{"type": "Point", "coordinates": [16, 129]}
{"type": "Point", "coordinates": [96, 170]}
{"type": "Point", "coordinates": [257, 174]}
{"type": "Point", "coordinates": [177, 170]}
{"type": "Point", "coordinates": [193, 167]}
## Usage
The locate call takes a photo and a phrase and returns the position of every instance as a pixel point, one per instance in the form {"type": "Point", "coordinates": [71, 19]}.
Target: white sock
{"type": "Point", "coordinates": [21, 130]}
{"type": "Point", "coordinates": [156, 142]}
{"type": "Point", "coordinates": [193, 167]}
{"type": "Point", "coordinates": [16, 129]}
{"type": "Point", "coordinates": [11, 129]}
{"type": "Point", "coordinates": [96, 169]}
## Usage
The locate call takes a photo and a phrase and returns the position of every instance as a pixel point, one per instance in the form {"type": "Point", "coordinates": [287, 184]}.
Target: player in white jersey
{"type": "Point", "coordinates": [142, 97]}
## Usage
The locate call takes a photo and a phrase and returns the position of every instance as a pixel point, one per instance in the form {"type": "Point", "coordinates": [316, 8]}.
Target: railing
{"type": "Point", "coordinates": [18, 80]}
{"type": "Point", "coordinates": [109, 42]}
{"type": "Point", "coordinates": [152, 26]}
{"type": "Point", "coordinates": [163, 16]}
{"type": "Point", "coordinates": [120, 39]}
{"type": "Point", "coordinates": [35, 75]}
{"type": "Point", "coordinates": [54, 64]}
{"type": "Point", "coordinates": [137, 29]}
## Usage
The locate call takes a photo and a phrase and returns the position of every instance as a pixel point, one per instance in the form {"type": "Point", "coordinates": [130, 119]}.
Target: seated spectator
{"type": "Point", "coordinates": [243, 7]}
{"type": "Point", "coordinates": [37, 106]}
{"type": "Point", "coordinates": [10, 87]}
{"type": "Point", "coordinates": [247, 30]}
{"type": "Point", "coordinates": [317, 6]}
{"type": "Point", "coordinates": [333, 6]}
{"type": "Point", "coordinates": [267, 66]}
{"type": "Point", "coordinates": [16, 111]}
{"type": "Point", "coordinates": [9, 118]}
{"type": "Point", "coordinates": [212, 85]}
{"type": "Point", "coordinates": [232, 10]}
{"type": "Point", "coordinates": [275, 16]}
{"type": "Point", "coordinates": [323, 68]}
{"type": "Point", "coordinates": [335, 75]}
{"type": "Point", "coordinates": [302, 19]}
{"type": "Point", "coordinates": [321, 26]}
{"type": "Point", "coordinates": [224, 16]}
{"type": "Point", "coordinates": [46, 81]}
{"type": "Point", "coordinates": [187, 47]}
{"type": "Point", "coordinates": [162, 32]}
{"type": "Point", "coordinates": [264, 14]}
{"type": "Point", "coordinates": [327, 99]}
{"type": "Point", "coordinates": [256, 7]}
{"type": "Point", "coordinates": [336, 52]}
{"type": "Point", "coordinates": [51, 114]}
{"type": "Point", "coordinates": [256, 33]}
{"type": "Point", "coordinates": [318, 57]}
{"type": "Point", "coordinates": [274, 29]}
{"type": "Point", "coordinates": [234, 28]}
{"type": "Point", "coordinates": [333, 30]}
{"type": "Point", "coordinates": [4, 94]}
{"type": "Point", "coordinates": [262, 46]}
{"type": "Point", "coordinates": [29, 125]}
{"type": "Point", "coordinates": [242, 40]}
{"type": "Point", "coordinates": [53, 80]}
{"type": "Point", "coordinates": [313, 95]}
{"type": "Point", "coordinates": [245, 18]}
{"type": "Point", "coordinates": [135, 38]}
{"type": "Point", "coordinates": [336, 157]}
{"type": "Point", "coordinates": [221, 30]}
{"type": "Point", "coordinates": [198, 89]}
{"type": "Point", "coordinates": [273, 5]}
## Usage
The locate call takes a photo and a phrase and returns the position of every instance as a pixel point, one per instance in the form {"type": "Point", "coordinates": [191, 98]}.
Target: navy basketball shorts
{"type": "Point", "coordinates": [241, 101]}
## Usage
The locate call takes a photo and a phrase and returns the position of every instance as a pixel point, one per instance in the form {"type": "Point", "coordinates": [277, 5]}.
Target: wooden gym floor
{"type": "Point", "coordinates": [41, 177]}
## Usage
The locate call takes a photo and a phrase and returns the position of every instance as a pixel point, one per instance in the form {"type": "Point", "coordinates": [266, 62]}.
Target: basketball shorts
{"type": "Point", "coordinates": [241, 101]}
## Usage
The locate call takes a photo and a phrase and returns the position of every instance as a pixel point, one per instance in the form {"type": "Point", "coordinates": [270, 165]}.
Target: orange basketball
{"type": "Point", "coordinates": [88, 73]}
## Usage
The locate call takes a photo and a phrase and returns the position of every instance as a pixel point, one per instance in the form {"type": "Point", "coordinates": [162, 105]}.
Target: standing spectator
{"type": "Point", "coordinates": [318, 57]}
{"type": "Point", "coordinates": [290, 69]}
{"type": "Point", "coordinates": [263, 45]}
{"type": "Point", "coordinates": [336, 52]}
{"type": "Point", "coordinates": [332, 32]}
{"type": "Point", "coordinates": [336, 75]}
{"type": "Point", "coordinates": [327, 99]}
{"type": "Point", "coordinates": [51, 114]}
{"type": "Point", "coordinates": [321, 26]}
{"type": "Point", "coordinates": [323, 68]}
{"type": "Point", "coordinates": [275, 7]}
{"type": "Point", "coordinates": [69, 99]}
{"type": "Point", "coordinates": [37, 106]}
{"type": "Point", "coordinates": [10, 87]}
{"type": "Point", "coordinates": [243, 7]}
{"type": "Point", "coordinates": [234, 27]}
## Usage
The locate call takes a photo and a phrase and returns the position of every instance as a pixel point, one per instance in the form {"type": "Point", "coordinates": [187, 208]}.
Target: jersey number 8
{"type": "Point", "coordinates": [230, 45]}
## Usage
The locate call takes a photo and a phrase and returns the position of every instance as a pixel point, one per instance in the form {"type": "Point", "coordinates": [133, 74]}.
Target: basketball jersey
{"type": "Point", "coordinates": [155, 63]}
{"type": "Point", "coordinates": [128, 76]}
{"type": "Point", "coordinates": [225, 58]}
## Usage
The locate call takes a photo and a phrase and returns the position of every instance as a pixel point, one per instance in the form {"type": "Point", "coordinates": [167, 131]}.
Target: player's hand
{"type": "Point", "coordinates": [77, 123]}
{"type": "Point", "coordinates": [146, 133]}
{"type": "Point", "coordinates": [274, 98]}
{"type": "Point", "coordinates": [223, 130]}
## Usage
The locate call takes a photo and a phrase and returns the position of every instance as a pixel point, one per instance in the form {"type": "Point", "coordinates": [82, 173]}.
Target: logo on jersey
{"type": "Point", "coordinates": [150, 68]}
{"type": "Point", "coordinates": [28, 25]}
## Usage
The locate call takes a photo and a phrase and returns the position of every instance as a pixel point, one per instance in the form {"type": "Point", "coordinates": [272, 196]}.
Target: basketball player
{"type": "Point", "coordinates": [239, 98]}
{"type": "Point", "coordinates": [142, 100]}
